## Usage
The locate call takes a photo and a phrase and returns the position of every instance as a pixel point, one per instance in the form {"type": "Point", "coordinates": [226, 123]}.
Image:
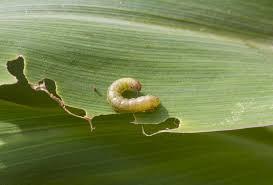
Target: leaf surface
{"type": "Point", "coordinates": [43, 145]}
{"type": "Point", "coordinates": [209, 62]}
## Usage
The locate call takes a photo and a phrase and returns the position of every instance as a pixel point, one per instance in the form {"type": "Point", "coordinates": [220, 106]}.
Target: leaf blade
{"type": "Point", "coordinates": [208, 79]}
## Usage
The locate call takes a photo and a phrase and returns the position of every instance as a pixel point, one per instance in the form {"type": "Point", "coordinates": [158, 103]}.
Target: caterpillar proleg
{"type": "Point", "coordinates": [121, 104]}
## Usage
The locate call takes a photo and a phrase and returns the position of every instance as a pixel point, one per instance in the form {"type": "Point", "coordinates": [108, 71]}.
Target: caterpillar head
{"type": "Point", "coordinates": [135, 86]}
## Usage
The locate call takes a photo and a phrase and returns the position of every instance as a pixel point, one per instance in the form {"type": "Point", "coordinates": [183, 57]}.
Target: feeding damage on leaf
{"type": "Point", "coordinates": [48, 86]}
{"type": "Point", "coordinates": [16, 68]}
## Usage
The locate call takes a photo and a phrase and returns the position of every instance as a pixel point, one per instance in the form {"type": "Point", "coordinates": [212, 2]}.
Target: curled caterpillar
{"type": "Point", "coordinates": [121, 104]}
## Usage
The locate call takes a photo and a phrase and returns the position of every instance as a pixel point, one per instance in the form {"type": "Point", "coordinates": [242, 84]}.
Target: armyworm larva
{"type": "Point", "coordinates": [121, 104]}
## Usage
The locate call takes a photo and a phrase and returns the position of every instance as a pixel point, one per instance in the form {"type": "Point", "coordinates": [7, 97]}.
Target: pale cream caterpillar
{"type": "Point", "coordinates": [121, 104]}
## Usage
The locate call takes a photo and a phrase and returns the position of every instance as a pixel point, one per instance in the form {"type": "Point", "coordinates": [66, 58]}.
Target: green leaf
{"type": "Point", "coordinates": [43, 145]}
{"type": "Point", "coordinates": [209, 62]}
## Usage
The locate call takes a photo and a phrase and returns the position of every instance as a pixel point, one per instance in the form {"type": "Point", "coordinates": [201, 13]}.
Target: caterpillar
{"type": "Point", "coordinates": [121, 104]}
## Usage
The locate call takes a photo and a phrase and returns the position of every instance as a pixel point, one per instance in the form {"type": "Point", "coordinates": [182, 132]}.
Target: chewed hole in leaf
{"type": "Point", "coordinates": [21, 92]}
{"type": "Point", "coordinates": [16, 68]}
{"type": "Point", "coordinates": [50, 86]}
{"type": "Point", "coordinates": [38, 94]}
{"type": "Point", "coordinates": [152, 129]}
{"type": "Point", "coordinates": [9, 92]}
